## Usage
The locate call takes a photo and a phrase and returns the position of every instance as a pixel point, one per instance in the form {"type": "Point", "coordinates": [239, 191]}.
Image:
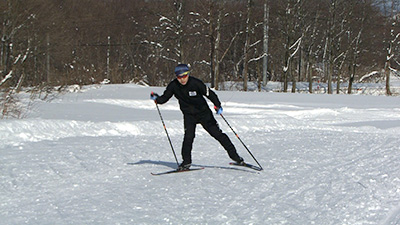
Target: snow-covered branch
{"type": "Point", "coordinates": [393, 69]}
{"type": "Point", "coordinates": [298, 43]}
{"type": "Point", "coordinates": [258, 58]}
{"type": "Point", "coordinates": [254, 44]}
{"type": "Point", "coordinates": [152, 43]}
{"type": "Point", "coordinates": [8, 76]}
{"type": "Point", "coordinates": [230, 44]}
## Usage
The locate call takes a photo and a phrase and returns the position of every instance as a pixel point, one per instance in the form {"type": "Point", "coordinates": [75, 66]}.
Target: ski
{"type": "Point", "coordinates": [176, 171]}
{"type": "Point", "coordinates": [246, 165]}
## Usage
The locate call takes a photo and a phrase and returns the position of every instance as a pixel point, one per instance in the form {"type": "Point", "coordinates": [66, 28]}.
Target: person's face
{"type": "Point", "coordinates": [183, 78]}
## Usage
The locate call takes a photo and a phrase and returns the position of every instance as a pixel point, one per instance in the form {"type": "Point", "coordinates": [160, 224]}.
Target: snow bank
{"type": "Point", "coordinates": [86, 158]}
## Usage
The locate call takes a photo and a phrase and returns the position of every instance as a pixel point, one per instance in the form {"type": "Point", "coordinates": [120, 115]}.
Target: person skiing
{"type": "Point", "coordinates": [190, 91]}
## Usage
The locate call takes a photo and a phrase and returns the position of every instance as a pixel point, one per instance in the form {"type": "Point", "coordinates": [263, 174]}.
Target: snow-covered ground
{"type": "Point", "coordinates": [86, 158]}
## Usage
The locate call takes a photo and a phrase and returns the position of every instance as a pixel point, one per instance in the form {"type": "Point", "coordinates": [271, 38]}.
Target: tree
{"type": "Point", "coordinates": [15, 48]}
{"type": "Point", "coordinates": [246, 46]}
{"type": "Point", "coordinates": [293, 40]}
{"type": "Point", "coordinates": [393, 43]}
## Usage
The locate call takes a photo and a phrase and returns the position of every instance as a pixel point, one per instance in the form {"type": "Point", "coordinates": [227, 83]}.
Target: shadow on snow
{"type": "Point", "coordinates": [174, 165]}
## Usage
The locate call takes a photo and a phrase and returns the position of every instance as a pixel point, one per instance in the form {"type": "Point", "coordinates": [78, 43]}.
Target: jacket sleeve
{"type": "Point", "coordinates": [169, 91]}
{"type": "Point", "coordinates": [210, 94]}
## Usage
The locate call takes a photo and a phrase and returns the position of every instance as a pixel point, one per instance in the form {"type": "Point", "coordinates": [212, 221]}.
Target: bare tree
{"type": "Point", "coordinates": [293, 40]}
{"type": "Point", "coordinates": [57, 42]}
{"type": "Point", "coordinates": [392, 54]}
{"type": "Point", "coordinates": [246, 46]}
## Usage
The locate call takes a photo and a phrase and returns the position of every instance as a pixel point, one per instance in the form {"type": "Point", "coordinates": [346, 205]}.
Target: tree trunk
{"type": "Point", "coordinates": [265, 43]}
{"type": "Point", "coordinates": [309, 75]}
{"type": "Point", "coordinates": [180, 7]}
{"type": "Point", "coordinates": [293, 77]}
{"type": "Point", "coordinates": [330, 74]}
{"type": "Point", "coordinates": [387, 76]}
{"type": "Point", "coordinates": [216, 52]}
{"type": "Point", "coordinates": [338, 83]}
{"type": "Point", "coordinates": [246, 48]}
{"type": "Point", "coordinates": [351, 79]}
{"type": "Point", "coordinates": [212, 50]}
{"type": "Point", "coordinates": [286, 69]}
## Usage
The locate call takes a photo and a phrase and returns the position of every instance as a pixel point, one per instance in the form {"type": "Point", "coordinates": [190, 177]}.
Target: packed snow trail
{"type": "Point", "coordinates": [86, 158]}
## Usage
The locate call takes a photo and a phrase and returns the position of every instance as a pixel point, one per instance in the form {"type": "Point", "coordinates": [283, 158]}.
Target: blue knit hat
{"type": "Point", "coordinates": [181, 68]}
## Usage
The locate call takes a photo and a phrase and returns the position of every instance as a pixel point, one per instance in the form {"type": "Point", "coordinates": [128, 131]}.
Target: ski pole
{"type": "Point", "coordinates": [241, 141]}
{"type": "Point", "coordinates": [169, 139]}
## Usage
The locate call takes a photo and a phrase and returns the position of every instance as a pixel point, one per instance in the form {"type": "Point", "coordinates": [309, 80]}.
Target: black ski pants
{"type": "Point", "coordinates": [207, 120]}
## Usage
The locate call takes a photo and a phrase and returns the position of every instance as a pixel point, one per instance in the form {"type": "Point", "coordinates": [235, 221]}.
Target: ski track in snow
{"type": "Point", "coordinates": [86, 158]}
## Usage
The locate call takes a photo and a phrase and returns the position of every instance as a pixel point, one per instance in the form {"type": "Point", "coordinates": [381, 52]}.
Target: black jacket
{"type": "Point", "coordinates": [190, 96]}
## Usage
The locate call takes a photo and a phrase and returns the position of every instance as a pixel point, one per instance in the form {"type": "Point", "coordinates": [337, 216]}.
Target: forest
{"type": "Point", "coordinates": [54, 43]}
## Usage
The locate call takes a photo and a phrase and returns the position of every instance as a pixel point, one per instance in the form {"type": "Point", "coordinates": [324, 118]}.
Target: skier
{"type": "Point", "coordinates": [190, 91]}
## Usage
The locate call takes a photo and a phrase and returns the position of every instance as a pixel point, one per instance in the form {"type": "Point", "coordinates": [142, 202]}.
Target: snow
{"type": "Point", "coordinates": [86, 158]}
